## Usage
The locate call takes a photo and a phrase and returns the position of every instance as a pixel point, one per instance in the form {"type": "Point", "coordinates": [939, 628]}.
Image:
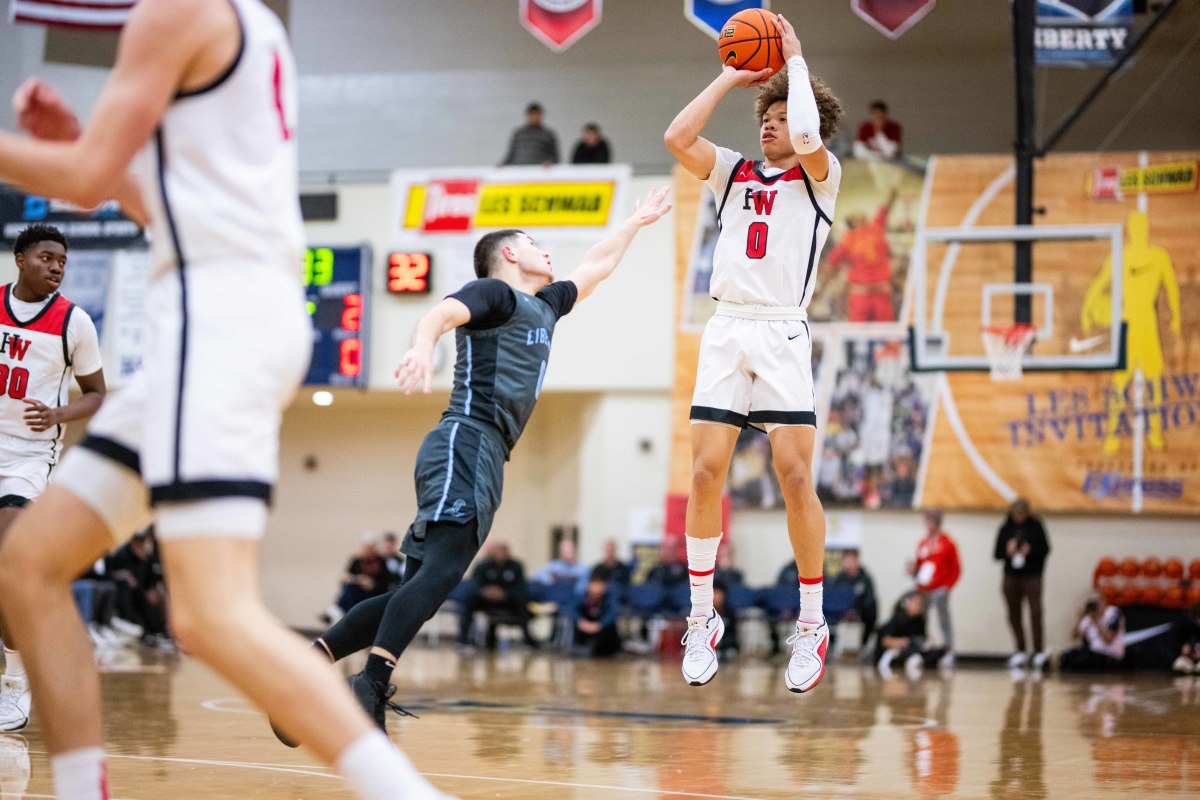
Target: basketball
{"type": "Point", "coordinates": [1173, 568]}
{"type": "Point", "coordinates": [1193, 595]}
{"type": "Point", "coordinates": [1152, 567]}
{"type": "Point", "coordinates": [750, 41]}
{"type": "Point", "coordinates": [1107, 567]}
{"type": "Point", "coordinates": [1173, 597]}
{"type": "Point", "coordinates": [1129, 567]}
{"type": "Point", "coordinates": [1194, 569]}
{"type": "Point", "coordinates": [1152, 596]}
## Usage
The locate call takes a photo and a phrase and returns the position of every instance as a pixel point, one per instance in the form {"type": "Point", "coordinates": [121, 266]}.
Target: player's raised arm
{"type": "Point", "coordinates": [158, 47]}
{"type": "Point", "coordinates": [604, 256]}
{"type": "Point", "coordinates": [804, 119]}
{"type": "Point", "coordinates": [683, 139]}
{"type": "Point", "coordinates": [416, 368]}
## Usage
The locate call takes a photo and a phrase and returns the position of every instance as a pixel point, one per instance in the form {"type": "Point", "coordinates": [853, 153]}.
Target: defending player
{"type": "Point", "coordinates": [44, 339]}
{"type": "Point", "coordinates": [504, 323]}
{"type": "Point", "coordinates": [205, 90]}
{"type": "Point", "coordinates": [756, 355]}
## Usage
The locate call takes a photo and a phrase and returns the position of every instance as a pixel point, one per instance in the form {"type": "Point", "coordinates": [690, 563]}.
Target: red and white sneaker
{"type": "Point", "coordinates": [700, 648]}
{"type": "Point", "coordinates": [806, 667]}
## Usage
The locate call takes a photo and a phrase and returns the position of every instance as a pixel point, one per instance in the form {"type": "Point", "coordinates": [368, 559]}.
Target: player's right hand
{"type": "Point", "coordinates": [746, 78]}
{"type": "Point", "coordinates": [42, 112]}
{"type": "Point", "coordinates": [416, 369]}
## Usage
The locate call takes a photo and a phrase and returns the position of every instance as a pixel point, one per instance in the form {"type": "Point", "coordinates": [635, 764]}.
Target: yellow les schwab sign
{"type": "Point", "coordinates": [585, 204]}
{"type": "Point", "coordinates": [1160, 178]}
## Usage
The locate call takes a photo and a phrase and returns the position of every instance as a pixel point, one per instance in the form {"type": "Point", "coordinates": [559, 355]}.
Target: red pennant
{"type": "Point", "coordinates": [558, 24]}
{"type": "Point", "coordinates": [892, 18]}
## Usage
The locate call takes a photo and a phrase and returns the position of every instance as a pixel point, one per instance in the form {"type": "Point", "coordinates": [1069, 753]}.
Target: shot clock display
{"type": "Point", "coordinates": [409, 273]}
{"type": "Point", "coordinates": [337, 286]}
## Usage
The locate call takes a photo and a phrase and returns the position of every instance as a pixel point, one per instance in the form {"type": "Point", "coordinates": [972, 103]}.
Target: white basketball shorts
{"type": "Point", "coordinates": [25, 467]}
{"type": "Point", "coordinates": [227, 347]}
{"type": "Point", "coordinates": [755, 368]}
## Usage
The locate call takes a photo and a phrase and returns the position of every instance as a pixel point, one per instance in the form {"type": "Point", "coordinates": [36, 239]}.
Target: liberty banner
{"type": "Point", "coordinates": [711, 15]}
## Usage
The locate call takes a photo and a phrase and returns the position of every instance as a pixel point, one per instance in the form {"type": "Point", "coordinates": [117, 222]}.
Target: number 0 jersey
{"type": "Point", "coordinates": [773, 226]}
{"type": "Point", "coordinates": [220, 175]}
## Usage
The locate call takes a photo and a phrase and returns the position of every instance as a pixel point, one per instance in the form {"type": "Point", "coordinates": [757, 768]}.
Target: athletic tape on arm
{"type": "Point", "coordinates": [804, 121]}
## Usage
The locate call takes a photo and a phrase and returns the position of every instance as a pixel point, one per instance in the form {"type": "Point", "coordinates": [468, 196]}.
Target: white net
{"type": "Point", "coordinates": [1006, 345]}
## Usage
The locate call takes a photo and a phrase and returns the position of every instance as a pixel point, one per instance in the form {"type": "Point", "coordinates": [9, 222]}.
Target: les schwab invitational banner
{"type": "Point", "coordinates": [891, 438]}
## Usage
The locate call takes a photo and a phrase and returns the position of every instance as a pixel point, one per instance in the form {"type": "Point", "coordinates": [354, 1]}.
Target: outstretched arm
{"type": "Point", "coordinates": [804, 120]}
{"type": "Point", "coordinates": [683, 139]}
{"type": "Point", "coordinates": [604, 256]}
{"type": "Point", "coordinates": [416, 368]}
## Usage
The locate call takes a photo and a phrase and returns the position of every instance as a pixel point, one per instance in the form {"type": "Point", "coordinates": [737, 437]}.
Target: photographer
{"type": "Point", "coordinates": [1101, 631]}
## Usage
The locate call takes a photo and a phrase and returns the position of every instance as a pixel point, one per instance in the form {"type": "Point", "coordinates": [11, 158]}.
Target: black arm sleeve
{"type": "Point", "coordinates": [560, 296]}
{"type": "Point", "coordinates": [490, 301]}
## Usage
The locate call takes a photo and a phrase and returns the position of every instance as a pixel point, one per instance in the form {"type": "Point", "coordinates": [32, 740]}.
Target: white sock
{"type": "Point", "coordinates": [812, 597]}
{"type": "Point", "coordinates": [377, 770]}
{"type": "Point", "coordinates": [13, 666]}
{"type": "Point", "coordinates": [80, 774]}
{"type": "Point", "coordinates": [702, 562]}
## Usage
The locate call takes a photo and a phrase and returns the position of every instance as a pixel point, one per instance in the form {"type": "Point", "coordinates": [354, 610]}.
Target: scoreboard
{"type": "Point", "coordinates": [338, 289]}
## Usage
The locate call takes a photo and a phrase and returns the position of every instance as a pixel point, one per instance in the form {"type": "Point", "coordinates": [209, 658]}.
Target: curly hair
{"type": "Point", "coordinates": [828, 106]}
{"type": "Point", "coordinates": [38, 233]}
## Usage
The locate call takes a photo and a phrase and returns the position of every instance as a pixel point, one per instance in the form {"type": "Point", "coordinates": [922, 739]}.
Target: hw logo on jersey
{"type": "Point", "coordinates": [763, 199]}
{"type": "Point", "coordinates": [11, 344]}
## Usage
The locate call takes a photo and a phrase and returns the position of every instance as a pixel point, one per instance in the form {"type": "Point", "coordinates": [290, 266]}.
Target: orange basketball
{"type": "Point", "coordinates": [1152, 595]}
{"type": "Point", "coordinates": [1173, 568]}
{"type": "Point", "coordinates": [1194, 569]}
{"type": "Point", "coordinates": [1152, 567]}
{"type": "Point", "coordinates": [1193, 595]}
{"type": "Point", "coordinates": [749, 40]}
{"type": "Point", "coordinates": [1174, 597]}
{"type": "Point", "coordinates": [1129, 567]}
{"type": "Point", "coordinates": [1128, 597]}
{"type": "Point", "coordinates": [1111, 594]}
{"type": "Point", "coordinates": [1107, 567]}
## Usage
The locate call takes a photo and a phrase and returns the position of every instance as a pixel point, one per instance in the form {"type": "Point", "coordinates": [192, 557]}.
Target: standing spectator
{"type": "Point", "coordinates": [1101, 631]}
{"type": "Point", "coordinates": [880, 138]}
{"type": "Point", "coordinates": [596, 620]}
{"type": "Point", "coordinates": [592, 147]}
{"type": "Point", "coordinates": [1022, 545]}
{"type": "Point", "coordinates": [854, 579]}
{"type": "Point", "coordinates": [1189, 650]}
{"type": "Point", "coordinates": [365, 577]}
{"type": "Point", "coordinates": [393, 560]}
{"type": "Point", "coordinates": [936, 570]}
{"type": "Point", "coordinates": [611, 569]}
{"type": "Point", "coordinates": [564, 569]}
{"type": "Point", "coordinates": [902, 639]}
{"type": "Point", "coordinates": [499, 591]}
{"type": "Point", "coordinates": [532, 143]}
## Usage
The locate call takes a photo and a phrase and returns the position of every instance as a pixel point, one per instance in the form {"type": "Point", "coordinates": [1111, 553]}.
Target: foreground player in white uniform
{"type": "Point", "coordinates": [205, 89]}
{"type": "Point", "coordinates": [756, 355]}
{"type": "Point", "coordinates": [44, 339]}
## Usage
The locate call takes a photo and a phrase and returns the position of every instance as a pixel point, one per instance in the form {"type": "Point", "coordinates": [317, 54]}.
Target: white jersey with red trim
{"type": "Point", "coordinates": [773, 226]}
{"type": "Point", "coordinates": [220, 175]}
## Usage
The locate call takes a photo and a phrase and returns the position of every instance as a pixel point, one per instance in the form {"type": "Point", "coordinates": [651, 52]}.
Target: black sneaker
{"type": "Point", "coordinates": [373, 696]}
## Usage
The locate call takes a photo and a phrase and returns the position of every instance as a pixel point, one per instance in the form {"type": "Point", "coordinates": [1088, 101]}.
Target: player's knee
{"type": "Point", "coordinates": [200, 626]}
{"type": "Point", "coordinates": [797, 484]}
{"type": "Point", "coordinates": [708, 475]}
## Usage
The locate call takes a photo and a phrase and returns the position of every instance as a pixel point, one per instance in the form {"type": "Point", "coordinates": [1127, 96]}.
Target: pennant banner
{"type": "Point", "coordinates": [108, 15]}
{"type": "Point", "coordinates": [1082, 33]}
{"type": "Point", "coordinates": [710, 15]}
{"type": "Point", "coordinates": [558, 24]}
{"type": "Point", "coordinates": [892, 18]}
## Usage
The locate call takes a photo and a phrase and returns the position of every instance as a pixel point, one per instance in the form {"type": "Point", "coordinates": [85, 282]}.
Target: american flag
{"type": "Point", "coordinates": [84, 14]}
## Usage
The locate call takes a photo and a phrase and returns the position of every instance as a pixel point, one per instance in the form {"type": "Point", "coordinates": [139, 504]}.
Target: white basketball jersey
{"type": "Point", "coordinates": [220, 175]}
{"type": "Point", "coordinates": [773, 226]}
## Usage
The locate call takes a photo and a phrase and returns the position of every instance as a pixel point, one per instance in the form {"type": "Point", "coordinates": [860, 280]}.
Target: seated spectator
{"type": "Point", "coordinates": [532, 143]}
{"type": "Point", "coordinates": [853, 579]}
{"type": "Point", "coordinates": [596, 620]}
{"type": "Point", "coordinates": [141, 593]}
{"type": "Point", "coordinates": [1189, 649]}
{"type": "Point", "coordinates": [95, 596]}
{"type": "Point", "coordinates": [902, 639]}
{"type": "Point", "coordinates": [789, 575]}
{"type": "Point", "coordinates": [611, 569]}
{"type": "Point", "coordinates": [498, 590]}
{"type": "Point", "coordinates": [564, 569]}
{"type": "Point", "coordinates": [393, 560]}
{"type": "Point", "coordinates": [592, 147]}
{"type": "Point", "coordinates": [880, 138]}
{"type": "Point", "coordinates": [671, 569]}
{"type": "Point", "coordinates": [1101, 631]}
{"type": "Point", "coordinates": [365, 577]}
{"type": "Point", "coordinates": [725, 576]}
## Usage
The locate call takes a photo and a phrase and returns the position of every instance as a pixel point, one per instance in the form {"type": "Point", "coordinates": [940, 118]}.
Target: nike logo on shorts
{"type": "Point", "coordinates": [794, 335]}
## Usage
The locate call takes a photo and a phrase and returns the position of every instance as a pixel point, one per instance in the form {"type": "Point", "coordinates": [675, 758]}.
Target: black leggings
{"type": "Point", "coordinates": [391, 621]}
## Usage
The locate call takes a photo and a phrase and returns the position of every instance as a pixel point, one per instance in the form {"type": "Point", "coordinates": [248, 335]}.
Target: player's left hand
{"type": "Point", "coordinates": [38, 416]}
{"type": "Point", "coordinates": [651, 208]}
{"type": "Point", "coordinates": [42, 112]}
{"type": "Point", "coordinates": [416, 369]}
{"type": "Point", "coordinates": [789, 42]}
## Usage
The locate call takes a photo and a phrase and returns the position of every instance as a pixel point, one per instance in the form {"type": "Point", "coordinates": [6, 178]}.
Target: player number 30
{"type": "Point", "coordinates": [14, 383]}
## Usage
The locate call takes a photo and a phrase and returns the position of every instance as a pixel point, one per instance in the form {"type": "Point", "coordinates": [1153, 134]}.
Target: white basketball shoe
{"type": "Point", "coordinates": [15, 700]}
{"type": "Point", "coordinates": [806, 667]}
{"type": "Point", "coordinates": [700, 648]}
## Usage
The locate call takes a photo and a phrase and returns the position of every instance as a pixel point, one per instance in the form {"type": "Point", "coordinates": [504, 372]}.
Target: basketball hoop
{"type": "Point", "coordinates": [1005, 346]}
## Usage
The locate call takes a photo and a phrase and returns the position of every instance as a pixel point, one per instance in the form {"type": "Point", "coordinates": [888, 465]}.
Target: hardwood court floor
{"type": "Point", "coordinates": [523, 725]}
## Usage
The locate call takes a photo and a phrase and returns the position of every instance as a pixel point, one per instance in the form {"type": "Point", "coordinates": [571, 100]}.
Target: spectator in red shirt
{"type": "Point", "coordinates": [936, 570]}
{"type": "Point", "coordinates": [880, 137]}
